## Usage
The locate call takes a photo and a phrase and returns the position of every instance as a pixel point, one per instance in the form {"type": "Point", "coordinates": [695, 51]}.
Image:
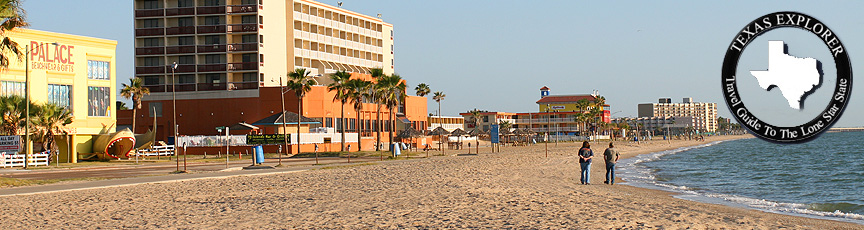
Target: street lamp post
{"type": "Point", "coordinates": [282, 92]}
{"type": "Point", "coordinates": [27, 101]}
{"type": "Point", "coordinates": [174, 110]}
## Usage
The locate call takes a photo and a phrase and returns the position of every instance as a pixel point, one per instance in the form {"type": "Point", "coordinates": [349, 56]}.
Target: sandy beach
{"type": "Point", "coordinates": [517, 188]}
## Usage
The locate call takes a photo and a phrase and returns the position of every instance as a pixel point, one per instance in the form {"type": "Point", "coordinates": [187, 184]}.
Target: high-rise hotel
{"type": "Point", "coordinates": [233, 55]}
{"type": "Point", "coordinates": [703, 114]}
{"type": "Point", "coordinates": [245, 44]}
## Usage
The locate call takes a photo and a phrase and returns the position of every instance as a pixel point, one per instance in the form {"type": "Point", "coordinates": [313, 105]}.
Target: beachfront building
{"type": "Point", "coordinates": [75, 72]}
{"type": "Point", "coordinates": [704, 114]}
{"type": "Point", "coordinates": [556, 113]}
{"type": "Point", "coordinates": [657, 123]}
{"type": "Point", "coordinates": [446, 122]}
{"type": "Point", "coordinates": [232, 56]}
{"type": "Point", "coordinates": [486, 119]}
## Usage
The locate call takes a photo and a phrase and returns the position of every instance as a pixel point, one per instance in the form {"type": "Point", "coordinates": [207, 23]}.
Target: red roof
{"type": "Point", "coordinates": [544, 88]}
{"type": "Point", "coordinates": [565, 98]}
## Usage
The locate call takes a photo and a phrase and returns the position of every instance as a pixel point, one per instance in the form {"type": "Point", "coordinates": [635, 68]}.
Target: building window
{"type": "Point", "coordinates": [247, 77]}
{"type": "Point", "coordinates": [150, 23]}
{"type": "Point", "coordinates": [213, 59]}
{"type": "Point", "coordinates": [211, 20]}
{"type": "Point", "coordinates": [186, 78]}
{"type": "Point", "coordinates": [247, 19]}
{"type": "Point", "coordinates": [261, 19]}
{"type": "Point", "coordinates": [185, 21]}
{"type": "Point", "coordinates": [214, 78]}
{"type": "Point", "coordinates": [212, 39]}
{"type": "Point", "coordinates": [248, 57]}
{"type": "Point", "coordinates": [485, 118]}
{"type": "Point", "coordinates": [328, 122]}
{"type": "Point", "coordinates": [10, 88]}
{"type": "Point", "coordinates": [185, 3]}
{"type": "Point", "coordinates": [99, 100]}
{"type": "Point", "coordinates": [149, 61]}
{"type": "Point", "coordinates": [262, 77]}
{"type": "Point", "coordinates": [261, 38]}
{"type": "Point", "coordinates": [150, 4]}
{"type": "Point", "coordinates": [261, 58]}
{"type": "Point", "coordinates": [151, 80]}
{"type": "Point", "coordinates": [60, 95]}
{"type": "Point", "coordinates": [186, 40]}
{"type": "Point", "coordinates": [154, 108]}
{"type": "Point", "coordinates": [99, 70]}
{"type": "Point", "coordinates": [150, 42]}
{"type": "Point", "coordinates": [186, 59]}
{"type": "Point", "coordinates": [247, 38]}
{"type": "Point", "coordinates": [248, 2]}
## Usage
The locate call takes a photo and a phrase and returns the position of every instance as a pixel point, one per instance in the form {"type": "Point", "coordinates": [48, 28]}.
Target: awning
{"type": "Point", "coordinates": [404, 119]}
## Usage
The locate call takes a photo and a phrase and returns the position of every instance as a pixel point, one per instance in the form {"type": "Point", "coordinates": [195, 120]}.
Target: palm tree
{"type": "Point", "coordinates": [12, 110]}
{"type": "Point", "coordinates": [422, 90]}
{"type": "Point", "coordinates": [48, 120]}
{"type": "Point", "coordinates": [376, 73]}
{"type": "Point", "coordinates": [357, 90]}
{"type": "Point", "coordinates": [475, 116]}
{"type": "Point", "coordinates": [301, 83]}
{"type": "Point", "coordinates": [581, 117]}
{"type": "Point", "coordinates": [135, 90]}
{"type": "Point", "coordinates": [338, 85]}
{"type": "Point", "coordinates": [438, 96]}
{"type": "Point", "coordinates": [393, 93]}
{"type": "Point", "coordinates": [13, 17]}
{"type": "Point", "coordinates": [597, 112]}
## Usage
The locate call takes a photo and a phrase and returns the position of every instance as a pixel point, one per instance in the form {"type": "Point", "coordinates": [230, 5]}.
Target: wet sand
{"type": "Point", "coordinates": [517, 188]}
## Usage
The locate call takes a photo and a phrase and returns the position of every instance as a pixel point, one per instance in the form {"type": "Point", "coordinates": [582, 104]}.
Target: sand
{"type": "Point", "coordinates": [517, 188]}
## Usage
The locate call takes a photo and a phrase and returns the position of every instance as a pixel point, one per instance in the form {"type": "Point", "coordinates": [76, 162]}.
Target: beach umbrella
{"type": "Point", "coordinates": [409, 133]}
{"type": "Point", "coordinates": [439, 132]}
{"type": "Point", "coordinates": [459, 132]}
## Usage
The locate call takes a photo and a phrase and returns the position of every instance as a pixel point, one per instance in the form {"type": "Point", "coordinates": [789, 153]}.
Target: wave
{"type": "Point", "coordinates": [636, 174]}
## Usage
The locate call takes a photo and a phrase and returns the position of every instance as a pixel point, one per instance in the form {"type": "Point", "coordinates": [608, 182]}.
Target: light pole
{"type": "Point", "coordinates": [27, 101]}
{"type": "Point", "coordinates": [546, 142]}
{"type": "Point", "coordinates": [174, 110]}
{"type": "Point", "coordinates": [282, 92]}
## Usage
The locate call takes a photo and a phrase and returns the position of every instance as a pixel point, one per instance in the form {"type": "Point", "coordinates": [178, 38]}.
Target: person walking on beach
{"type": "Point", "coordinates": [611, 157]}
{"type": "Point", "coordinates": [585, 155]}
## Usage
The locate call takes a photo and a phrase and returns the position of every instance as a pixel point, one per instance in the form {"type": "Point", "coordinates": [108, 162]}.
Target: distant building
{"type": "Point", "coordinates": [486, 120]}
{"type": "Point", "coordinates": [704, 114]}
{"type": "Point", "coordinates": [556, 113]}
{"type": "Point", "coordinates": [448, 123]}
{"type": "Point", "coordinates": [657, 123]}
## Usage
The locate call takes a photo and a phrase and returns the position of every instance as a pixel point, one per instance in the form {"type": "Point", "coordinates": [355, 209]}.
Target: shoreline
{"type": "Point", "coordinates": [517, 188]}
{"type": "Point", "coordinates": [639, 176]}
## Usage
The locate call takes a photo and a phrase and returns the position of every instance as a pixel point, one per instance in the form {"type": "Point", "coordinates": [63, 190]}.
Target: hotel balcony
{"type": "Point", "coordinates": [240, 9]}
{"type": "Point", "coordinates": [241, 66]}
{"type": "Point", "coordinates": [149, 13]}
{"type": "Point", "coordinates": [150, 32]}
{"type": "Point", "coordinates": [212, 68]}
{"type": "Point", "coordinates": [189, 87]}
{"type": "Point", "coordinates": [149, 69]}
{"type": "Point", "coordinates": [211, 29]}
{"type": "Point", "coordinates": [212, 48]}
{"type": "Point", "coordinates": [210, 10]}
{"type": "Point", "coordinates": [249, 27]}
{"type": "Point", "coordinates": [544, 120]}
{"type": "Point", "coordinates": [180, 11]}
{"type": "Point", "coordinates": [240, 47]}
{"type": "Point", "coordinates": [182, 68]}
{"type": "Point", "coordinates": [179, 49]}
{"type": "Point", "coordinates": [150, 50]}
{"type": "Point", "coordinates": [180, 30]}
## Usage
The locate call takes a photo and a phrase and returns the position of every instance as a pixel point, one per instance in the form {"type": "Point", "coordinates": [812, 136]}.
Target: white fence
{"type": "Point", "coordinates": [166, 150]}
{"type": "Point", "coordinates": [17, 160]}
{"type": "Point", "coordinates": [240, 140]}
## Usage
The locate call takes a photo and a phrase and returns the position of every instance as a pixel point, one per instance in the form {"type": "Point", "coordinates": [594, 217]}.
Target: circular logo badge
{"type": "Point", "coordinates": [839, 98]}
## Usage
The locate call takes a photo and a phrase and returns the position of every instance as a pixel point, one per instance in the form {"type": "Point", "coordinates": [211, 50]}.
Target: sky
{"type": "Point", "coordinates": [496, 55]}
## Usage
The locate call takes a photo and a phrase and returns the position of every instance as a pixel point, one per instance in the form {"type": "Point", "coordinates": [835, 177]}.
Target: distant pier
{"type": "Point", "coordinates": [855, 129]}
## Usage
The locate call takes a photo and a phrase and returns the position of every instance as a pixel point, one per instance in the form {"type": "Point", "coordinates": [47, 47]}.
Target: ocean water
{"type": "Point", "coordinates": [823, 178]}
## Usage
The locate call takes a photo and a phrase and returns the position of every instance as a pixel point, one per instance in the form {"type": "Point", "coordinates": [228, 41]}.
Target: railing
{"type": "Point", "coordinates": [211, 10]}
{"type": "Point", "coordinates": [242, 27]}
{"type": "Point", "coordinates": [212, 86]}
{"type": "Point", "coordinates": [180, 11]}
{"type": "Point", "coordinates": [243, 85]}
{"type": "Point", "coordinates": [156, 88]}
{"type": "Point", "coordinates": [544, 120]}
{"type": "Point", "coordinates": [149, 50]}
{"type": "Point", "coordinates": [166, 150]}
{"type": "Point", "coordinates": [185, 87]}
{"type": "Point", "coordinates": [182, 68]}
{"type": "Point", "coordinates": [243, 47]}
{"type": "Point", "coordinates": [235, 9]}
{"type": "Point", "coordinates": [179, 49]}
{"type": "Point", "coordinates": [211, 67]}
{"type": "Point", "coordinates": [149, 13]}
{"type": "Point", "coordinates": [180, 30]}
{"type": "Point", "coordinates": [16, 160]}
{"type": "Point", "coordinates": [149, 69]}
{"type": "Point", "coordinates": [211, 29]}
{"type": "Point", "coordinates": [150, 32]}
{"type": "Point", "coordinates": [242, 66]}
{"type": "Point", "coordinates": [212, 48]}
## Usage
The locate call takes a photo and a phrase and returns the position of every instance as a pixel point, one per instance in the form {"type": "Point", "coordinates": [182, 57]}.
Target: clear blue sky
{"type": "Point", "coordinates": [496, 55]}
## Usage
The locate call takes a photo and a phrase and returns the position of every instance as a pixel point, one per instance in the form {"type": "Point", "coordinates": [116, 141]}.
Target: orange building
{"type": "Point", "coordinates": [200, 113]}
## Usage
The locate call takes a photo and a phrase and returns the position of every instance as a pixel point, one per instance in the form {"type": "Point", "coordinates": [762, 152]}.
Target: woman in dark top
{"type": "Point", "coordinates": [585, 155]}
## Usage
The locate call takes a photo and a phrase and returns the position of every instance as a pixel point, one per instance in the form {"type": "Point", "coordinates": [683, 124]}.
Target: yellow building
{"type": "Point", "coordinates": [72, 71]}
